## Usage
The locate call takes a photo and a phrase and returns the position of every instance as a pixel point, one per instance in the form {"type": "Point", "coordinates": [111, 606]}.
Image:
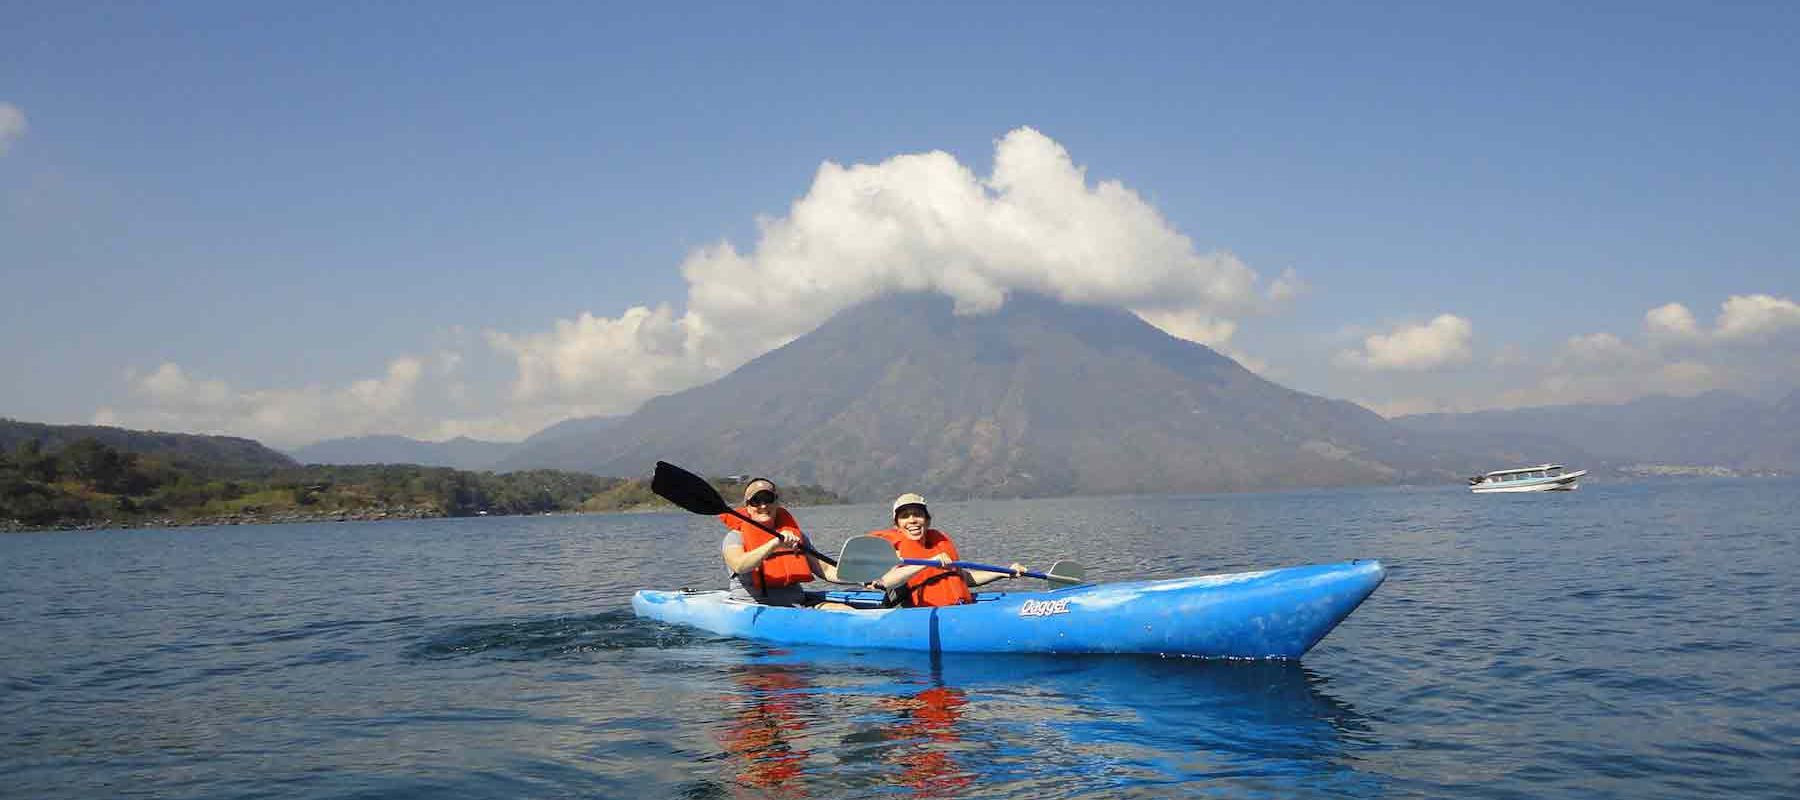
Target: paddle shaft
{"type": "Point", "coordinates": [867, 558]}
{"type": "Point", "coordinates": [926, 562]}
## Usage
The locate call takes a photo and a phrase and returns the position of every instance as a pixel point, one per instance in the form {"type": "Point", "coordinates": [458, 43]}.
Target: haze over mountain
{"type": "Point", "coordinates": [1713, 429]}
{"type": "Point", "coordinates": [1037, 398]}
{"type": "Point", "coordinates": [459, 453]}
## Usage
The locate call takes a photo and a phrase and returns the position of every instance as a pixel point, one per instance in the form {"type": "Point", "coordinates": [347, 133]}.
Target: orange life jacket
{"type": "Point", "coordinates": [932, 586]}
{"type": "Point", "coordinates": [779, 569]}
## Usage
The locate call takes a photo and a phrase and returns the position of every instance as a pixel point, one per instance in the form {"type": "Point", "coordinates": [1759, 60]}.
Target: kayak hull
{"type": "Point", "coordinates": [1279, 613]}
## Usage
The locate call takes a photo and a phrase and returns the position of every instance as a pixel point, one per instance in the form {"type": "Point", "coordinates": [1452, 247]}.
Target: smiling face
{"type": "Point", "coordinates": [912, 521]}
{"type": "Point", "coordinates": [763, 506]}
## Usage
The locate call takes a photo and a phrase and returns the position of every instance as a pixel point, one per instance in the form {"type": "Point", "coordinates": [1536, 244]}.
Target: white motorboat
{"type": "Point", "coordinates": [1541, 478]}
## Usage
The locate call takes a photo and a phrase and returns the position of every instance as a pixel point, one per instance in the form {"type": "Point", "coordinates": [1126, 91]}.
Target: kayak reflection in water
{"type": "Point", "coordinates": [924, 739]}
{"type": "Point", "coordinates": [760, 738]}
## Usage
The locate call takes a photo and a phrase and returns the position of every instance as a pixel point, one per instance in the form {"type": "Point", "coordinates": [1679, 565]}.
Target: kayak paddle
{"type": "Point", "coordinates": [865, 558]}
{"type": "Point", "coordinates": [694, 494]}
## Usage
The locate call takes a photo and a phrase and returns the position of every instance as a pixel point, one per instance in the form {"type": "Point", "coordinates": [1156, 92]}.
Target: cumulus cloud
{"type": "Point", "coordinates": [1672, 322]}
{"type": "Point", "coordinates": [12, 126]}
{"type": "Point", "coordinates": [1757, 316]}
{"type": "Point", "coordinates": [1742, 318]}
{"type": "Point", "coordinates": [915, 222]}
{"type": "Point", "coordinates": [1613, 374]}
{"type": "Point", "coordinates": [1444, 341]}
{"type": "Point", "coordinates": [1598, 350]}
{"type": "Point", "coordinates": [1195, 326]}
{"type": "Point", "coordinates": [172, 399]}
{"type": "Point", "coordinates": [640, 353]}
{"type": "Point", "coordinates": [1748, 348]}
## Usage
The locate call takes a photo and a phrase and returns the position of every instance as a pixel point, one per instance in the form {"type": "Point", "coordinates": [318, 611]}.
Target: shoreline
{"type": "Point", "coordinates": [290, 518]}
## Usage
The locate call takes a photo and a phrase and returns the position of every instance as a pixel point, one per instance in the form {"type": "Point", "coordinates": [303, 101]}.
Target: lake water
{"type": "Point", "coordinates": [1631, 640]}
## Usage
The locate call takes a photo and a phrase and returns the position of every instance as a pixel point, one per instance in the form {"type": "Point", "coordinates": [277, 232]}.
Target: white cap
{"type": "Point", "coordinates": [910, 499]}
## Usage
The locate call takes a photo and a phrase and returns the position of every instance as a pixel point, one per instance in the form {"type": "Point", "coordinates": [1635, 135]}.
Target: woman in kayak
{"type": "Point", "coordinates": [913, 537]}
{"type": "Point", "coordinates": [767, 568]}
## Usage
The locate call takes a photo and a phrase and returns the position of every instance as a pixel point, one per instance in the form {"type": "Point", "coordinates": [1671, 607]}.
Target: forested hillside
{"type": "Point", "coordinates": [221, 456]}
{"type": "Point", "coordinates": [88, 484]}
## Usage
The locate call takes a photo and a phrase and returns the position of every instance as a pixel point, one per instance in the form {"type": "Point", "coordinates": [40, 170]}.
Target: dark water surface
{"type": "Point", "coordinates": [1631, 640]}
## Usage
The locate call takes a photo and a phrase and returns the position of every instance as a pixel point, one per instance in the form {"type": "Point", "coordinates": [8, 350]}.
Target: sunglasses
{"type": "Point", "coordinates": [763, 499]}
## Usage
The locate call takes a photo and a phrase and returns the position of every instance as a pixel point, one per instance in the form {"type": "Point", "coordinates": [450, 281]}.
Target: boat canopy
{"type": "Point", "coordinates": [1521, 470]}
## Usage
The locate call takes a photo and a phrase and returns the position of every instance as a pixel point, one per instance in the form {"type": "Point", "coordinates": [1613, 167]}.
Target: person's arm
{"type": "Point", "coordinates": [742, 561]}
{"type": "Point", "coordinates": [822, 570]}
{"type": "Point", "coordinates": [898, 576]}
{"type": "Point", "coordinates": [982, 577]}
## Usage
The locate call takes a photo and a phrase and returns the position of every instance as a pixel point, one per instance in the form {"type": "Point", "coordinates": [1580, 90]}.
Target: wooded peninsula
{"type": "Point", "coordinates": [87, 484]}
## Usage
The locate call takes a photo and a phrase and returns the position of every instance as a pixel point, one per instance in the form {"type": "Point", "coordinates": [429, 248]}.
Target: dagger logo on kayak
{"type": "Point", "coordinates": [1043, 608]}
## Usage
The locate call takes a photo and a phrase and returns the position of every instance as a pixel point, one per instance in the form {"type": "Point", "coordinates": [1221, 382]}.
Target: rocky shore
{"type": "Point", "coordinates": [239, 518]}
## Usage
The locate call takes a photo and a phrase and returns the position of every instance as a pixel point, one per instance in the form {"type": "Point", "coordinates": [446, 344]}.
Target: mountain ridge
{"type": "Point", "coordinates": [461, 452]}
{"type": "Point", "coordinates": [223, 456]}
{"type": "Point", "coordinates": [1037, 398]}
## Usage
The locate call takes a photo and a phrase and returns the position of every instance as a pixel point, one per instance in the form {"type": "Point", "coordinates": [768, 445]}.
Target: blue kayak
{"type": "Point", "coordinates": [1278, 613]}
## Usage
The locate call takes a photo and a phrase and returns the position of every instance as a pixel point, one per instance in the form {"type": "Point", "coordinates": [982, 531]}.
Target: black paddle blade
{"type": "Point", "coordinates": [865, 558]}
{"type": "Point", "coordinates": [687, 490]}
{"type": "Point", "coordinates": [1067, 572]}
{"type": "Point", "coordinates": [693, 493]}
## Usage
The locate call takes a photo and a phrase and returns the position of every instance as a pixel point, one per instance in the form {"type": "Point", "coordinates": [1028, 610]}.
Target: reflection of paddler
{"type": "Point", "coordinates": [768, 715]}
{"type": "Point", "coordinates": [928, 725]}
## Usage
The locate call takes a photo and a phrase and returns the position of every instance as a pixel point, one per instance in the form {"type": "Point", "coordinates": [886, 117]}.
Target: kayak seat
{"type": "Point", "coordinates": [867, 599]}
{"type": "Point", "coordinates": [857, 598]}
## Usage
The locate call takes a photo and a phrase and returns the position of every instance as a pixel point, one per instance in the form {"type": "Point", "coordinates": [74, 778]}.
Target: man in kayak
{"type": "Point", "coordinates": [766, 568]}
{"type": "Point", "coordinates": [913, 537]}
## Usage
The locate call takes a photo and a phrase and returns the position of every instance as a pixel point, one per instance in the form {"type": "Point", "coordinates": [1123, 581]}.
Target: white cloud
{"type": "Point", "coordinates": [1686, 377]}
{"type": "Point", "coordinates": [175, 400]}
{"type": "Point", "coordinates": [1194, 326]}
{"type": "Point", "coordinates": [1757, 316]}
{"type": "Point", "coordinates": [12, 126]}
{"type": "Point", "coordinates": [1750, 318]}
{"type": "Point", "coordinates": [1442, 342]}
{"type": "Point", "coordinates": [1750, 348]}
{"type": "Point", "coordinates": [1598, 350]}
{"type": "Point", "coordinates": [1672, 322]}
{"type": "Point", "coordinates": [616, 363]}
{"type": "Point", "coordinates": [915, 222]}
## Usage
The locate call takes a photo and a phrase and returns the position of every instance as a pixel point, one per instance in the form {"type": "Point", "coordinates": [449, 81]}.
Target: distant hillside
{"type": "Point", "coordinates": [459, 453]}
{"type": "Point", "coordinates": [213, 456]}
{"type": "Point", "coordinates": [568, 428]}
{"type": "Point", "coordinates": [1039, 398]}
{"type": "Point", "coordinates": [559, 443]}
{"type": "Point", "coordinates": [1712, 429]}
{"type": "Point", "coordinates": [86, 484]}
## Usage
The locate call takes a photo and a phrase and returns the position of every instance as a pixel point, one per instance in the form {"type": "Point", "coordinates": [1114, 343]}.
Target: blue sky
{"type": "Point", "coordinates": [448, 219]}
